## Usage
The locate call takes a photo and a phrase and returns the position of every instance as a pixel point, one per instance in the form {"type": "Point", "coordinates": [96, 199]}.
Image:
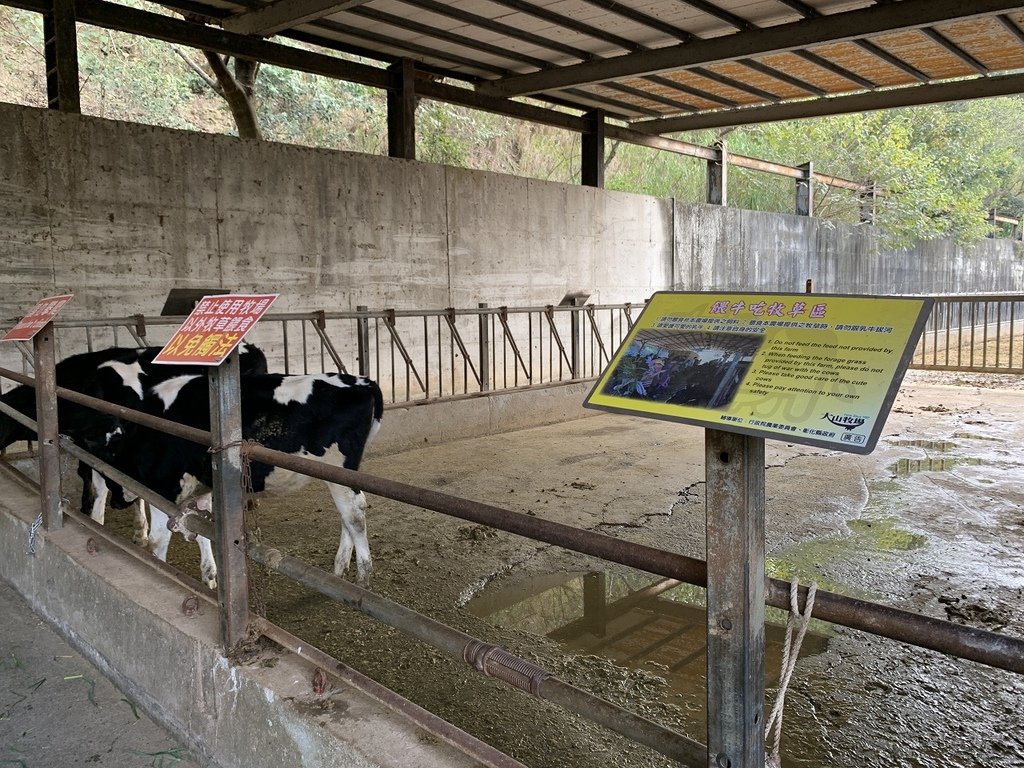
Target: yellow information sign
{"type": "Point", "coordinates": [818, 369]}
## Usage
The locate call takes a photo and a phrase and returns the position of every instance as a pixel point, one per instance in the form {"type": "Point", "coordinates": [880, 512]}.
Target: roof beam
{"type": "Point", "coordinates": [284, 14]}
{"type": "Point", "coordinates": [908, 14]}
{"type": "Point", "coordinates": [907, 96]}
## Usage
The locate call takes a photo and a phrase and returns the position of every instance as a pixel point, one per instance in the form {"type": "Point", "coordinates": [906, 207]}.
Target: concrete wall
{"type": "Point", "coordinates": [119, 213]}
{"type": "Point", "coordinates": [728, 248]}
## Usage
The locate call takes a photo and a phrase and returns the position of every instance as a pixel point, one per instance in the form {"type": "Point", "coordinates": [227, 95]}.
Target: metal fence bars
{"type": "Point", "coordinates": [414, 355]}
{"type": "Point", "coordinates": [982, 334]}
{"type": "Point", "coordinates": [425, 355]}
{"type": "Point", "coordinates": [962, 641]}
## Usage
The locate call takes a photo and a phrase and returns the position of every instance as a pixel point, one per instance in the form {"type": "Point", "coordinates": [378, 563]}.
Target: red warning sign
{"type": "Point", "coordinates": [215, 327]}
{"type": "Point", "coordinates": [41, 314]}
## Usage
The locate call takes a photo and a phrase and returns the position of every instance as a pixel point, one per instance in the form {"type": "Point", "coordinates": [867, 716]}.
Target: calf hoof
{"type": "Point", "coordinates": [210, 579]}
{"type": "Point", "coordinates": [363, 574]}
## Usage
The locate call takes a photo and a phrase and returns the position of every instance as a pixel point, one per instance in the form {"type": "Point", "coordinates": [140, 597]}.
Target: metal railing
{"type": "Point", "coordinates": [982, 334]}
{"type": "Point", "coordinates": [965, 642]}
{"type": "Point", "coordinates": [425, 355]}
{"type": "Point", "coordinates": [414, 355]}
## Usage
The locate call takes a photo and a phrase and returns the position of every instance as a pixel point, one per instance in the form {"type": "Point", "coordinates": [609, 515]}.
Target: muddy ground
{"type": "Point", "coordinates": [932, 521]}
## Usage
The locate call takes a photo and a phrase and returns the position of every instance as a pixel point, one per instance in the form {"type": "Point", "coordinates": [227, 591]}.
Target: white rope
{"type": "Point", "coordinates": [790, 653]}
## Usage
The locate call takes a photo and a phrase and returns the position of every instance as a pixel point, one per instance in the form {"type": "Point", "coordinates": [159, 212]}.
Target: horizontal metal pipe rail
{"type": "Point", "coordinates": [965, 642]}
{"type": "Point", "coordinates": [954, 639]}
{"type": "Point", "coordinates": [491, 660]}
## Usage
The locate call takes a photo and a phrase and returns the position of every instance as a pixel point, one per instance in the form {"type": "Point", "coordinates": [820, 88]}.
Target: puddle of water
{"type": "Point", "coordinates": [907, 467]}
{"type": "Point", "coordinates": [943, 446]}
{"type": "Point", "coordinates": [657, 627]}
{"type": "Point", "coordinates": [884, 534]}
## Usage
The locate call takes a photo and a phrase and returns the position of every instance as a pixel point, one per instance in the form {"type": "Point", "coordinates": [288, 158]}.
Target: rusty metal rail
{"type": "Point", "coordinates": [490, 660]}
{"type": "Point", "coordinates": [965, 642]}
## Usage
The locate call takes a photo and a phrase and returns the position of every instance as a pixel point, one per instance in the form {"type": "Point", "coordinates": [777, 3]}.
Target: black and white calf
{"type": "Point", "coordinates": [332, 416]}
{"type": "Point", "coordinates": [117, 374]}
{"type": "Point", "coordinates": [123, 379]}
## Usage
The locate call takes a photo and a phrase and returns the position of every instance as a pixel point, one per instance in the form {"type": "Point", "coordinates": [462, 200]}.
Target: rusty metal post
{"type": "Point", "coordinates": [575, 342]}
{"type": "Point", "coordinates": [592, 149]}
{"type": "Point", "coordinates": [718, 171]}
{"type": "Point", "coordinates": [44, 360]}
{"type": "Point", "coordinates": [736, 588]}
{"type": "Point", "coordinates": [485, 348]}
{"type": "Point", "coordinates": [363, 341]}
{"type": "Point", "coordinates": [229, 501]}
{"type": "Point", "coordinates": [868, 199]}
{"type": "Point", "coordinates": [60, 52]}
{"type": "Point", "coordinates": [805, 191]}
{"type": "Point", "coordinates": [401, 100]}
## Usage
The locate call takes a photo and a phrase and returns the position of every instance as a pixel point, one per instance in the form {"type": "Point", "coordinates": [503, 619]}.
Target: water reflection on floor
{"type": "Point", "coordinates": [657, 626]}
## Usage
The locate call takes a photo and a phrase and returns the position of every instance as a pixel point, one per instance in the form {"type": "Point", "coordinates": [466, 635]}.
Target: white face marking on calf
{"type": "Point", "coordinates": [299, 388]}
{"type": "Point", "coordinates": [131, 374]}
{"type": "Point", "coordinates": [168, 390]}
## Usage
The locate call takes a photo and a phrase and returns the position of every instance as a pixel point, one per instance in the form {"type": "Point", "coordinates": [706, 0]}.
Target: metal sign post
{"type": "Point", "coordinates": [229, 500]}
{"type": "Point", "coordinates": [46, 423]}
{"type": "Point", "coordinates": [734, 468]}
{"type": "Point", "coordinates": [817, 370]}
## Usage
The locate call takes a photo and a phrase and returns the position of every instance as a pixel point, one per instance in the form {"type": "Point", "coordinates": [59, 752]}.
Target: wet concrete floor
{"type": "Point", "coordinates": [932, 521]}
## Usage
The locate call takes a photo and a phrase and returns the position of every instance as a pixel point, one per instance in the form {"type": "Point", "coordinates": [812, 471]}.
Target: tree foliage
{"type": "Point", "coordinates": [940, 168]}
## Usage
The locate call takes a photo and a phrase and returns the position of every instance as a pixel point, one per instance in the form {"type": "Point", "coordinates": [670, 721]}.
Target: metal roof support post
{"type": "Point", "coordinates": [592, 165]}
{"type": "Point", "coordinates": [868, 196]}
{"type": "Point", "coordinates": [805, 191]}
{"type": "Point", "coordinates": [402, 110]}
{"type": "Point", "coordinates": [229, 502]}
{"type": "Point", "coordinates": [718, 169]}
{"type": "Point", "coordinates": [734, 468]}
{"type": "Point", "coordinates": [60, 48]}
{"type": "Point", "coordinates": [46, 426]}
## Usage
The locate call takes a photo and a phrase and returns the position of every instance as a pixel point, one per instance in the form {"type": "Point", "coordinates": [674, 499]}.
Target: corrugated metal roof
{"type": "Point", "coordinates": [655, 63]}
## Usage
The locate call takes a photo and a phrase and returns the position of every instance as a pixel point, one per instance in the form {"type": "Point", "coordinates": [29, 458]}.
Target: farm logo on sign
{"type": "Point", "coordinates": [846, 420]}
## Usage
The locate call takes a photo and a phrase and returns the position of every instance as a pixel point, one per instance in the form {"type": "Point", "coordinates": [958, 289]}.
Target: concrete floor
{"type": "Point", "coordinates": [932, 521]}
{"type": "Point", "coordinates": [57, 709]}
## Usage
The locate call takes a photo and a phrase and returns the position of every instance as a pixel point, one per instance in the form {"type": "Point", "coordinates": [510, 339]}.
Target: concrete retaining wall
{"type": "Point", "coordinates": [417, 425]}
{"type": "Point", "coordinates": [119, 213]}
{"type": "Point", "coordinates": [732, 249]}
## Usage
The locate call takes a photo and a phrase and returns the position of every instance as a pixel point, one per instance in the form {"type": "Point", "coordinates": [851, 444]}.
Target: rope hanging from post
{"type": "Point", "coordinates": [790, 653]}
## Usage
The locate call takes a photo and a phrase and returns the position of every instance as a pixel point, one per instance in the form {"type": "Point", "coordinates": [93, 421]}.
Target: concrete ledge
{"type": "Point", "coordinates": [408, 426]}
{"type": "Point", "coordinates": [127, 619]}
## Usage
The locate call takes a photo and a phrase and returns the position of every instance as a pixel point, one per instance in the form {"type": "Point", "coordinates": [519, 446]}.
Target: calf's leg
{"type": "Point", "coordinates": [352, 509]}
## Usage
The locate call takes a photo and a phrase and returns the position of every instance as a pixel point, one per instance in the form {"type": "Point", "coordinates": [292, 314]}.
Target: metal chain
{"type": "Point", "coordinates": [30, 545]}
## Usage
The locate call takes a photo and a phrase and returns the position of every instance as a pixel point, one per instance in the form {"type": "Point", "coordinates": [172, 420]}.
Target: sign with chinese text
{"type": "Point", "coordinates": [214, 328]}
{"type": "Point", "coordinates": [805, 368]}
{"type": "Point", "coordinates": [34, 321]}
